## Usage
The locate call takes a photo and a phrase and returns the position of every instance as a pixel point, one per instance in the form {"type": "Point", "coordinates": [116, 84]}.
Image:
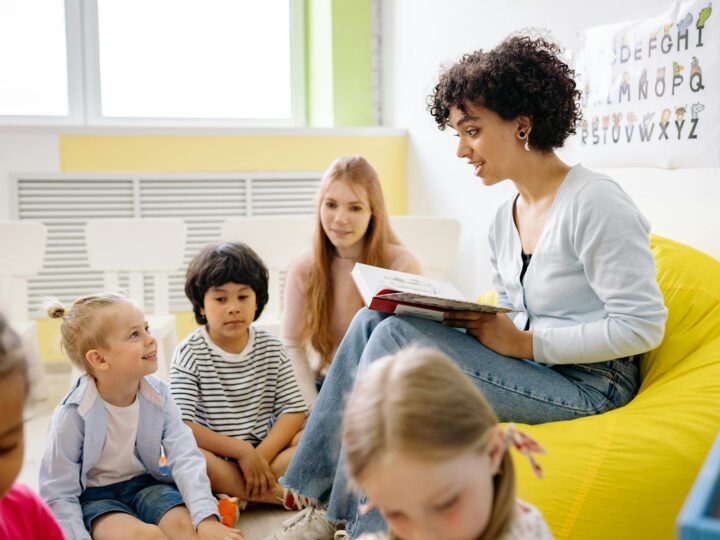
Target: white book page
{"type": "Point", "coordinates": [371, 280]}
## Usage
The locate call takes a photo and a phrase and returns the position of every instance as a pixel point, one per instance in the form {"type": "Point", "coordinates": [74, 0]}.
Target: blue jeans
{"type": "Point", "coordinates": [142, 496]}
{"type": "Point", "coordinates": [519, 390]}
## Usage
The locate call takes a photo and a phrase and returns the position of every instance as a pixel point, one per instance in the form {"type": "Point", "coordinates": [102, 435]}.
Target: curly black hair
{"type": "Point", "coordinates": [221, 263]}
{"type": "Point", "coordinates": [522, 76]}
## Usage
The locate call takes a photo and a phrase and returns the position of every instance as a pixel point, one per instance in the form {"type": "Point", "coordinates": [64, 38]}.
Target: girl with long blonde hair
{"type": "Point", "coordinates": [352, 226]}
{"type": "Point", "coordinates": [425, 446]}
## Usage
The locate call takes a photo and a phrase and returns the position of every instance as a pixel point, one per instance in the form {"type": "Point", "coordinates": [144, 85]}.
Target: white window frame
{"type": "Point", "coordinates": [74, 47]}
{"type": "Point", "coordinates": [84, 98]}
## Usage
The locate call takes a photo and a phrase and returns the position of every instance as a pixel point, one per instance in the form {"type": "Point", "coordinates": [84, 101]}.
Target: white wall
{"type": "Point", "coordinates": [25, 152]}
{"type": "Point", "coordinates": [419, 36]}
{"type": "Point", "coordinates": [681, 204]}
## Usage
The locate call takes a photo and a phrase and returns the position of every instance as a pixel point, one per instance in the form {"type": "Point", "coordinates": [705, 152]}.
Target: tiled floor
{"type": "Point", "coordinates": [254, 523]}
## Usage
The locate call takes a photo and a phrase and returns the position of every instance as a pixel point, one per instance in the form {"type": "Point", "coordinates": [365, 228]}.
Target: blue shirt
{"type": "Point", "coordinates": [591, 293]}
{"type": "Point", "coordinates": [76, 436]}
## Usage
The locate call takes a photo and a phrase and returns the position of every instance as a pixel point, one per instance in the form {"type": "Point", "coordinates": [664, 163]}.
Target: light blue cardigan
{"type": "Point", "coordinates": [590, 290]}
{"type": "Point", "coordinates": [76, 436]}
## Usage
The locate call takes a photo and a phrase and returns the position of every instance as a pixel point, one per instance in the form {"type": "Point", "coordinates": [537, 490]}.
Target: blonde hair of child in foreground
{"type": "Point", "coordinates": [425, 446]}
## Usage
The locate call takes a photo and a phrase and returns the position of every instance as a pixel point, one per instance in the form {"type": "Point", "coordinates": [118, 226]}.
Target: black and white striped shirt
{"type": "Point", "coordinates": [235, 395]}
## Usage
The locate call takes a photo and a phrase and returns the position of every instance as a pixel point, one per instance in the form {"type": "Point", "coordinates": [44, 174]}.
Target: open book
{"type": "Point", "coordinates": [391, 291]}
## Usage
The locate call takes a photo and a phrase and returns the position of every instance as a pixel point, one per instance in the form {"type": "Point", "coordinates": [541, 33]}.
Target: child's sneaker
{"type": "Point", "coordinates": [310, 524]}
{"type": "Point", "coordinates": [229, 508]}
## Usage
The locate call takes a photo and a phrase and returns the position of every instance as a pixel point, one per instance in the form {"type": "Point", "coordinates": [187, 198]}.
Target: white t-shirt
{"type": "Point", "coordinates": [118, 461]}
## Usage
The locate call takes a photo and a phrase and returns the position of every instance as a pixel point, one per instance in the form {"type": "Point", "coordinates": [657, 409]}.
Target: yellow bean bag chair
{"type": "Point", "coordinates": [626, 473]}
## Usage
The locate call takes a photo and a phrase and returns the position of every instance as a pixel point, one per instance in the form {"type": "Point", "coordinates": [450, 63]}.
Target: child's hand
{"type": "Point", "coordinates": [259, 479]}
{"type": "Point", "coordinates": [211, 529]}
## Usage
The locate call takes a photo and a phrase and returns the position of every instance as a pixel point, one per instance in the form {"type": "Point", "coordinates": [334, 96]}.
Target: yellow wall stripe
{"type": "Point", "coordinates": [216, 153]}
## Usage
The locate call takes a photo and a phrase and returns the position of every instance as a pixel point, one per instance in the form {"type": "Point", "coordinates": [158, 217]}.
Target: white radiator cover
{"type": "Point", "coordinates": [64, 201]}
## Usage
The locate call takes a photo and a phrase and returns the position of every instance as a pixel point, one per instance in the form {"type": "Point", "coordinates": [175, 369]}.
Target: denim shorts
{"type": "Point", "coordinates": [142, 496]}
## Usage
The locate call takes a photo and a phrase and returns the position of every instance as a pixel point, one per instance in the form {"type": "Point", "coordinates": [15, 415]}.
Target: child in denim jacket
{"type": "Point", "coordinates": [101, 472]}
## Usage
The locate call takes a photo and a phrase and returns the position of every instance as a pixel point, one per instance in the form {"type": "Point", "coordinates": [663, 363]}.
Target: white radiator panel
{"type": "Point", "coordinates": [64, 201]}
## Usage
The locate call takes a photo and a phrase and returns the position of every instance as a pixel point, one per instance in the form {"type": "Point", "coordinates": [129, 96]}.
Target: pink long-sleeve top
{"type": "Point", "coordinates": [23, 514]}
{"type": "Point", "coordinates": [346, 302]}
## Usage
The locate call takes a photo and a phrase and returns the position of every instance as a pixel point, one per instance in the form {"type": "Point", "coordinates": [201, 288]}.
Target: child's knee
{"type": "Point", "coordinates": [222, 473]}
{"type": "Point", "coordinates": [176, 523]}
{"type": "Point", "coordinates": [148, 532]}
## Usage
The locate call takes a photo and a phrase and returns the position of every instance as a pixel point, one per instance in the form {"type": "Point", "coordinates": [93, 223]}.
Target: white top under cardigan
{"type": "Point", "coordinates": [118, 461]}
{"type": "Point", "coordinates": [590, 291]}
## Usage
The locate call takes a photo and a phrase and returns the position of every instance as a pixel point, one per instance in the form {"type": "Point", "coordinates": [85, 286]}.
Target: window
{"type": "Point", "coordinates": [33, 59]}
{"type": "Point", "coordinates": [152, 62]}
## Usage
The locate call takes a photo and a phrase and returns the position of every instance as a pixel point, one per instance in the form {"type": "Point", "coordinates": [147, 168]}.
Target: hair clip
{"type": "Point", "coordinates": [524, 444]}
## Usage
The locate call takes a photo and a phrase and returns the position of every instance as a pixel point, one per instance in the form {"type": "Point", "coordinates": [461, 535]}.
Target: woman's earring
{"type": "Point", "coordinates": [526, 137]}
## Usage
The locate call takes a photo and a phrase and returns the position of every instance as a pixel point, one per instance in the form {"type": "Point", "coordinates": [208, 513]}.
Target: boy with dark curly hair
{"type": "Point", "coordinates": [234, 383]}
{"type": "Point", "coordinates": [570, 254]}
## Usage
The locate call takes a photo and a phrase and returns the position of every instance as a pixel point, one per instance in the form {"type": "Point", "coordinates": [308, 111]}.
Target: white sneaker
{"type": "Point", "coordinates": [342, 535]}
{"type": "Point", "coordinates": [309, 524]}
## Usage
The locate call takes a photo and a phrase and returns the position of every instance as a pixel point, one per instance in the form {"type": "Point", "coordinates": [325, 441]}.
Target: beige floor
{"type": "Point", "coordinates": [254, 523]}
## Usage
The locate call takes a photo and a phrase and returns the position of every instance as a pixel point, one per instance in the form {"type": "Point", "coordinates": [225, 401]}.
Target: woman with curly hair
{"type": "Point", "coordinates": [570, 254]}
